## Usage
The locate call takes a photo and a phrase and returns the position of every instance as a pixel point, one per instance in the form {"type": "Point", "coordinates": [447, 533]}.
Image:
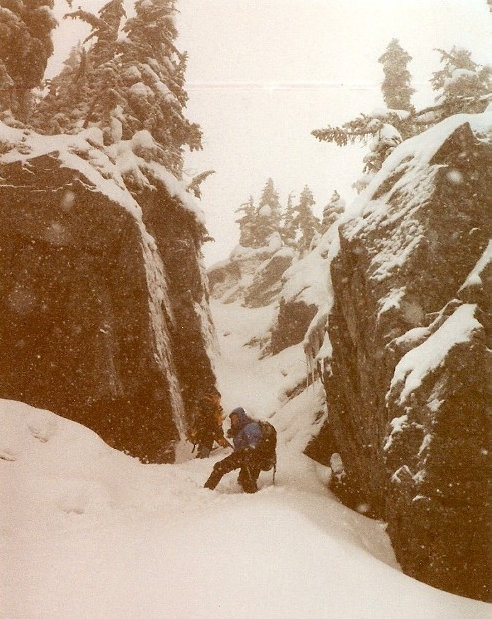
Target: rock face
{"type": "Point", "coordinates": [103, 304]}
{"type": "Point", "coordinates": [291, 324]}
{"type": "Point", "coordinates": [406, 379]}
{"type": "Point", "coordinates": [267, 280]}
{"type": "Point", "coordinates": [304, 296]}
{"type": "Point", "coordinates": [252, 276]}
{"type": "Point", "coordinates": [278, 276]}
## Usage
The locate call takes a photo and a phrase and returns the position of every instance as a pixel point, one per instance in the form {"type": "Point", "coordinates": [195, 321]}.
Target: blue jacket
{"type": "Point", "coordinates": [249, 434]}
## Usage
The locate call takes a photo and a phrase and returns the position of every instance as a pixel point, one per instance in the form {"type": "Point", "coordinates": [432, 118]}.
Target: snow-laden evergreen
{"type": "Point", "coordinates": [128, 77]}
{"type": "Point", "coordinates": [462, 85]}
{"type": "Point", "coordinates": [25, 47]}
{"type": "Point", "coordinates": [396, 86]}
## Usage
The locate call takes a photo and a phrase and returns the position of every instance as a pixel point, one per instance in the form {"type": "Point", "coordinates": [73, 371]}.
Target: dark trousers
{"type": "Point", "coordinates": [244, 460]}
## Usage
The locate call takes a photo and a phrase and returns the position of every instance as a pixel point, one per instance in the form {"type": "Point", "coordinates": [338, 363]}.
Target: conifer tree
{"type": "Point", "coordinates": [396, 87]}
{"type": "Point", "coordinates": [288, 231]}
{"type": "Point", "coordinates": [375, 127]}
{"type": "Point", "coordinates": [131, 79]}
{"type": "Point", "coordinates": [103, 92]}
{"type": "Point", "coordinates": [61, 109]}
{"type": "Point", "coordinates": [381, 130]}
{"type": "Point", "coordinates": [25, 47]}
{"type": "Point", "coordinates": [462, 85]}
{"type": "Point", "coordinates": [304, 220]}
{"type": "Point", "coordinates": [89, 86]}
{"type": "Point", "coordinates": [105, 30]}
{"type": "Point", "coordinates": [332, 211]}
{"type": "Point", "coordinates": [153, 70]}
{"type": "Point", "coordinates": [268, 214]}
{"type": "Point", "coordinates": [247, 223]}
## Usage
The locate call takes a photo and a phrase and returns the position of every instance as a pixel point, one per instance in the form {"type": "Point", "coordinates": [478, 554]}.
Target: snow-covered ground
{"type": "Point", "coordinates": [87, 532]}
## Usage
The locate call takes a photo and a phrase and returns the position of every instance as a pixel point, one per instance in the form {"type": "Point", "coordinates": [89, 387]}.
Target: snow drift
{"type": "Point", "coordinates": [90, 532]}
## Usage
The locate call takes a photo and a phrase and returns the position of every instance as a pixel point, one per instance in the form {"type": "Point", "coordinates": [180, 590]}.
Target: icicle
{"type": "Point", "coordinates": [159, 300]}
{"type": "Point", "coordinates": [308, 370]}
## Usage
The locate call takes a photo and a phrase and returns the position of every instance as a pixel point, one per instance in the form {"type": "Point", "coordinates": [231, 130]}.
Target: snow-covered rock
{"type": "Point", "coordinates": [104, 313]}
{"type": "Point", "coordinates": [406, 374]}
{"type": "Point", "coordinates": [267, 281]}
{"type": "Point", "coordinates": [306, 290]}
{"type": "Point", "coordinates": [251, 275]}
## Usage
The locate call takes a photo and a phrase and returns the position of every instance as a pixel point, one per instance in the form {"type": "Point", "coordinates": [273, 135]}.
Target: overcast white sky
{"type": "Point", "coordinates": [262, 74]}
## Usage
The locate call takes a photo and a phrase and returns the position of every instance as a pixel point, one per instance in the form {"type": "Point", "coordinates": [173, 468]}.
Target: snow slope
{"type": "Point", "coordinates": [88, 532]}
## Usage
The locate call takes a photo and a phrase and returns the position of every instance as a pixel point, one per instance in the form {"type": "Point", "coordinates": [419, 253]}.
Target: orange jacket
{"type": "Point", "coordinates": [208, 420]}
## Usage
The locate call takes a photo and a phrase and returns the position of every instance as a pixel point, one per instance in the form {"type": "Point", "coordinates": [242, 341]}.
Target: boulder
{"type": "Point", "coordinates": [267, 280]}
{"type": "Point", "coordinates": [103, 300]}
{"type": "Point", "coordinates": [406, 379]}
{"type": "Point", "coordinates": [291, 324]}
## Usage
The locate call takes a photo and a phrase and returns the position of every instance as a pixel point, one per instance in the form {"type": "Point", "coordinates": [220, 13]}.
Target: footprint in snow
{"type": "Point", "coordinates": [41, 429]}
{"type": "Point", "coordinates": [6, 454]}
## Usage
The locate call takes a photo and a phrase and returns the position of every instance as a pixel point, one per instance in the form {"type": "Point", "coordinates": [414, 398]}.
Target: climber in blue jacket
{"type": "Point", "coordinates": [245, 431]}
{"type": "Point", "coordinates": [246, 434]}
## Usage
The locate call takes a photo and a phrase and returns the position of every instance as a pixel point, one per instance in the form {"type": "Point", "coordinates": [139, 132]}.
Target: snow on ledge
{"type": "Point", "coordinates": [424, 359]}
{"type": "Point", "coordinates": [474, 278]}
{"type": "Point", "coordinates": [95, 165]}
{"type": "Point", "coordinates": [398, 424]}
{"type": "Point", "coordinates": [421, 148]}
{"type": "Point", "coordinates": [308, 279]}
{"type": "Point", "coordinates": [104, 167]}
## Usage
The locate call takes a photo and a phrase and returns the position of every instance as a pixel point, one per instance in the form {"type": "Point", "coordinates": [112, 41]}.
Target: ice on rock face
{"type": "Point", "coordinates": [475, 276]}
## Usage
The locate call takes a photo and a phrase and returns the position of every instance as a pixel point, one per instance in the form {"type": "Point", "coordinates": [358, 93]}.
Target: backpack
{"type": "Point", "coordinates": [267, 446]}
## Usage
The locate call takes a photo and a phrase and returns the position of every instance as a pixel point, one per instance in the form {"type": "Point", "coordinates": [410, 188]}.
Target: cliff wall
{"type": "Point", "coordinates": [405, 376]}
{"type": "Point", "coordinates": [103, 301]}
